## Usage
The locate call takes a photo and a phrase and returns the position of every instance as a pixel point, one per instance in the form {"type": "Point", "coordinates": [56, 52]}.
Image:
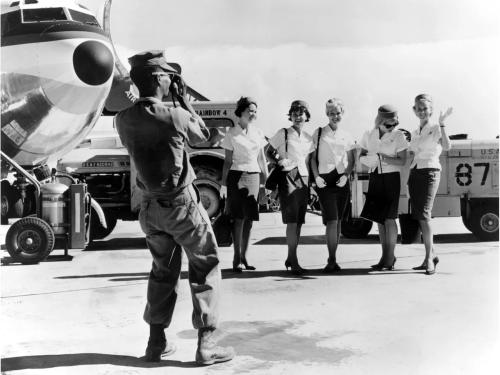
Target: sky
{"type": "Point", "coordinates": [365, 52]}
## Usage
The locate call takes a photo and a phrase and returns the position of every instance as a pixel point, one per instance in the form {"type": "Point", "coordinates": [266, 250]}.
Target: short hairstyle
{"type": "Point", "coordinates": [243, 103]}
{"type": "Point", "coordinates": [299, 104]}
{"type": "Point", "coordinates": [385, 112]}
{"type": "Point", "coordinates": [144, 79]}
{"type": "Point", "coordinates": [334, 102]}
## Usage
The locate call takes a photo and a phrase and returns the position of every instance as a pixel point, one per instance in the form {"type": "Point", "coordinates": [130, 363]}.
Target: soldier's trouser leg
{"type": "Point", "coordinates": [183, 222]}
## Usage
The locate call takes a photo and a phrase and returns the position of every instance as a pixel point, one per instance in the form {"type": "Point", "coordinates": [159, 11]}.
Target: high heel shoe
{"type": "Point", "coordinates": [376, 265]}
{"type": "Point", "coordinates": [296, 270]}
{"type": "Point", "coordinates": [247, 266]}
{"type": "Point", "coordinates": [332, 268]}
{"type": "Point", "coordinates": [423, 266]}
{"type": "Point", "coordinates": [435, 260]}
{"type": "Point", "coordinates": [288, 264]}
{"type": "Point", "coordinates": [237, 268]}
{"type": "Point", "coordinates": [381, 267]}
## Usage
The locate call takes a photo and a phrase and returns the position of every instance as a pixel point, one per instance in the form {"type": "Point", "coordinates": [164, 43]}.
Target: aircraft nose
{"type": "Point", "coordinates": [93, 62]}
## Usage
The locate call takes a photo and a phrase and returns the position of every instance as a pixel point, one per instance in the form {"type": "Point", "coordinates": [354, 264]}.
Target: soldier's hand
{"type": "Point", "coordinates": [320, 182]}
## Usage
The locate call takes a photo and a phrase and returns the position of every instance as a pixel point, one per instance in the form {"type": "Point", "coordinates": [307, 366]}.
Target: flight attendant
{"type": "Point", "coordinates": [384, 151]}
{"type": "Point", "coordinates": [243, 164]}
{"type": "Point", "coordinates": [289, 148]}
{"type": "Point", "coordinates": [332, 161]}
{"type": "Point", "coordinates": [427, 143]}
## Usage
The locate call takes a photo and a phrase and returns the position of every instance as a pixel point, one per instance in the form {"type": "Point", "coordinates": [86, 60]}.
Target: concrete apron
{"type": "Point", "coordinates": [84, 316]}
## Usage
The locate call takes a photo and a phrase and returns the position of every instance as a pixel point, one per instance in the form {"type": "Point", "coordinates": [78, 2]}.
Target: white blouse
{"type": "Point", "coordinates": [425, 144]}
{"type": "Point", "coordinates": [333, 148]}
{"type": "Point", "coordinates": [298, 148]}
{"type": "Point", "coordinates": [390, 144]}
{"type": "Point", "coordinates": [246, 146]}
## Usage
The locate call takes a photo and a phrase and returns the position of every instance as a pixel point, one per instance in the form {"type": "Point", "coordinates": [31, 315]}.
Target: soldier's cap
{"type": "Point", "coordinates": [387, 111]}
{"type": "Point", "coordinates": [149, 59]}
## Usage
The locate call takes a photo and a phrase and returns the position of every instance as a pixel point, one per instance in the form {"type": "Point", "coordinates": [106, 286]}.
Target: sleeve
{"type": "Point", "coordinates": [436, 133]}
{"type": "Point", "coordinates": [195, 128]}
{"type": "Point", "coordinates": [401, 142]}
{"type": "Point", "coordinates": [364, 140]}
{"type": "Point", "coordinates": [227, 142]}
{"type": "Point", "coordinates": [278, 139]}
{"type": "Point", "coordinates": [314, 141]}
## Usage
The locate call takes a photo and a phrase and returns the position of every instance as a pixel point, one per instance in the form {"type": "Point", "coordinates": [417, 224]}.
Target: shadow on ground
{"type": "Point", "coordinates": [83, 359]}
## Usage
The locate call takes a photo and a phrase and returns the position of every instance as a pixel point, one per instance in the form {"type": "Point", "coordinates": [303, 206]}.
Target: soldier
{"type": "Point", "coordinates": [171, 215]}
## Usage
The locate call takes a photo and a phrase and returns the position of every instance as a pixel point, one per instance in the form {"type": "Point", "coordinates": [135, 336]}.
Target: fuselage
{"type": "Point", "coordinates": [57, 69]}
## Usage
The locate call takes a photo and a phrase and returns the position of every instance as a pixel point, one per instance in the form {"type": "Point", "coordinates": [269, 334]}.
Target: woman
{"type": "Point", "coordinates": [289, 148]}
{"type": "Point", "coordinates": [426, 145]}
{"type": "Point", "coordinates": [243, 163]}
{"type": "Point", "coordinates": [332, 161]}
{"type": "Point", "coordinates": [384, 151]}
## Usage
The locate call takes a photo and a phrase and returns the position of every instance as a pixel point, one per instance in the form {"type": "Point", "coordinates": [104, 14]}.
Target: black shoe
{"type": "Point", "coordinates": [237, 269]}
{"type": "Point", "coordinates": [158, 349]}
{"type": "Point", "coordinates": [332, 268]}
{"type": "Point", "coordinates": [247, 266]}
{"type": "Point", "coordinates": [435, 260]}
{"type": "Point", "coordinates": [423, 267]}
{"type": "Point", "coordinates": [379, 264]}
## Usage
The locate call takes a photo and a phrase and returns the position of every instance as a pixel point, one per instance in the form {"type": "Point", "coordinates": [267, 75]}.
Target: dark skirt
{"type": "Point", "coordinates": [294, 194]}
{"type": "Point", "coordinates": [333, 199]}
{"type": "Point", "coordinates": [387, 186]}
{"type": "Point", "coordinates": [423, 185]}
{"type": "Point", "coordinates": [243, 195]}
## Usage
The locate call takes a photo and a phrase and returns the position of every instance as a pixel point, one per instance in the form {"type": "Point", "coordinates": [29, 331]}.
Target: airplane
{"type": "Point", "coordinates": [59, 74]}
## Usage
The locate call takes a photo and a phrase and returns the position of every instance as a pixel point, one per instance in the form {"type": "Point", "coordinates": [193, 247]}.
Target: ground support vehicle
{"type": "Point", "coordinates": [51, 214]}
{"type": "Point", "coordinates": [104, 164]}
{"type": "Point", "coordinates": [468, 188]}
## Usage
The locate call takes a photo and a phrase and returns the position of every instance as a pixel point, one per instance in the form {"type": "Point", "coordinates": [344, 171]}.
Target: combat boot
{"type": "Point", "coordinates": [208, 352]}
{"type": "Point", "coordinates": [157, 345]}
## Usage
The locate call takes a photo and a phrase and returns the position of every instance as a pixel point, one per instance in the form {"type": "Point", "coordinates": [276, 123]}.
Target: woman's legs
{"type": "Point", "coordinates": [426, 228]}
{"type": "Point", "coordinates": [237, 242]}
{"type": "Point", "coordinates": [332, 234]}
{"type": "Point", "coordinates": [390, 238]}
{"type": "Point", "coordinates": [383, 241]}
{"type": "Point", "coordinates": [245, 240]}
{"type": "Point", "coordinates": [292, 240]}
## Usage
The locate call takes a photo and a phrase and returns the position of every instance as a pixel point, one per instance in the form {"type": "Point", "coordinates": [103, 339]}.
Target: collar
{"type": "Point", "coordinates": [151, 99]}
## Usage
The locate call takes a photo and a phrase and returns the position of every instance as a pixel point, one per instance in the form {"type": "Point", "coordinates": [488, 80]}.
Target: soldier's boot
{"type": "Point", "coordinates": [208, 352]}
{"type": "Point", "coordinates": [157, 344]}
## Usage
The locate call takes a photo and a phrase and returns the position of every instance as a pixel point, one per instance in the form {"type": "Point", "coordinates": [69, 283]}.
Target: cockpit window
{"type": "Point", "coordinates": [83, 17]}
{"type": "Point", "coordinates": [44, 14]}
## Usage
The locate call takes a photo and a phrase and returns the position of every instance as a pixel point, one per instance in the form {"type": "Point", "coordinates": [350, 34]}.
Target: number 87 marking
{"type": "Point", "coordinates": [467, 174]}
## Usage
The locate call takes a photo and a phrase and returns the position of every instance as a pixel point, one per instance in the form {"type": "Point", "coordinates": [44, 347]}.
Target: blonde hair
{"type": "Point", "coordinates": [334, 103]}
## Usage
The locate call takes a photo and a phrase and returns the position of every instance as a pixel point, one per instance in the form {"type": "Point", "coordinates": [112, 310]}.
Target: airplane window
{"type": "Point", "coordinates": [83, 17]}
{"type": "Point", "coordinates": [14, 4]}
{"type": "Point", "coordinates": [30, 1]}
{"type": "Point", "coordinates": [44, 14]}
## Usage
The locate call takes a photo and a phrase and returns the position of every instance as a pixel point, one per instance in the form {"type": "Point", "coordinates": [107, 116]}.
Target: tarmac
{"type": "Point", "coordinates": [83, 314]}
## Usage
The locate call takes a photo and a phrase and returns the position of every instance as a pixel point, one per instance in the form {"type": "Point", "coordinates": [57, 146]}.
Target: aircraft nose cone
{"type": "Point", "coordinates": [93, 62]}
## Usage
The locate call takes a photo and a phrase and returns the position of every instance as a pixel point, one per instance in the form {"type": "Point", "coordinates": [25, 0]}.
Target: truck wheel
{"type": "Point", "coordinates": [29, 240]}
{"type": "Point", "coordinates": [484, 222]}
{"type": "Point", "coordinates": [208, 182]}
{"type": "Point", "coordinates": [355, 228]}
{"type": "Point", "coordinates": [5, 201]}
{"type": "Point", "coordinates": [97, 231]}
{"type": "Point", "coordinates": [210, 199]}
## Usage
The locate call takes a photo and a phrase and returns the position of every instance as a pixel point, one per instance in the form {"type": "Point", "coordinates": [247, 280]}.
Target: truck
{"type": "Point", "coordinates": [468, 189]}
{"type": "Point", "coordinates": [104, 165]}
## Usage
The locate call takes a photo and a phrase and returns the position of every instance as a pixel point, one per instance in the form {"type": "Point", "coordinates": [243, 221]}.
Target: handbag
{"type": "Point", "coordinates": [222, 226]}
{"type": "Point", "coordinates": [375, 207]}
{"type": "Point", "coordinates": [277, 173]}
{"type": "Point", "coordinates": [410, 228]}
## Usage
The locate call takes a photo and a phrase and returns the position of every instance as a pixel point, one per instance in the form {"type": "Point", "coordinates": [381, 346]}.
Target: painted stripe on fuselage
{"type": "Point", "coordinates": [51, 37]}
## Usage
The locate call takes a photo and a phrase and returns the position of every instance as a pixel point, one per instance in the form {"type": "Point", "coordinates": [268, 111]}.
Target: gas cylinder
{"type": "Point", "coordinates": [54, 206]}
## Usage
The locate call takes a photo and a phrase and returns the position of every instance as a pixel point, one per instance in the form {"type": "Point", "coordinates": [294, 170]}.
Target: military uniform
{"type": "Point", "coordinates": [172, 215]}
